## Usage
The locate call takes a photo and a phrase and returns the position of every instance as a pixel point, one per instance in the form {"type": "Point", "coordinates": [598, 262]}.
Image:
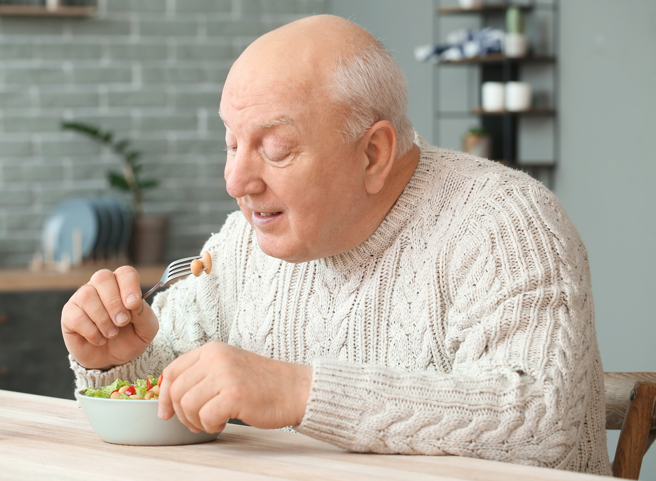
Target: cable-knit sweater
{"type": "Point", "coordinates": [463, 326]}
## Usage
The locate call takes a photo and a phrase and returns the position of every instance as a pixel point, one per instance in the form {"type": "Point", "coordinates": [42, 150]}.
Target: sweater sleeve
{"type": "Point", "coordinates": [519, 330]}
{"type": "Point", "coordinates": [192, 312]}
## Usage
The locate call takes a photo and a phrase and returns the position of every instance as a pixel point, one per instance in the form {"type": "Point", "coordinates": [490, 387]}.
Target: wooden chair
{"type": "Point", "coordinates": [631, 407]}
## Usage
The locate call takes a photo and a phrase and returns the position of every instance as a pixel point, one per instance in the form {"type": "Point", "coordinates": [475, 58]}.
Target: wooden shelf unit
{"type": "Point", "coordinates": [503, 126]}
{"type": "Point", "coordinates": [22, 279]}
{"type": "Point", "coordinates": [533, 111]}
{"type": "Point", "coordinates": [482, 10]}
{"type": "Point", "coordinates": [37, 11]}
{"type": "Point", "coordinates": [500, 58]}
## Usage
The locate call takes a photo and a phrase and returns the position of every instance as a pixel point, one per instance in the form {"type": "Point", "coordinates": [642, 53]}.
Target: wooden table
{"type": "Point", "coordinates": [49, 438]}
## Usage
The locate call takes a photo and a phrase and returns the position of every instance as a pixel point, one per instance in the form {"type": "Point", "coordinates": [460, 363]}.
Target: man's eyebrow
{"type": "Point", "coordinates": [274, 122]}
{"type": "Point", "coordinates": [270, 123]}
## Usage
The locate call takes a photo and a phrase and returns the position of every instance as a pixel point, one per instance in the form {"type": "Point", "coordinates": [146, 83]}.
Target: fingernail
{"type": "Point", "coordinates": [112, 332]}
{"type": "Point", "coordinates": [132, 298]}
{"type": "Point", "coordinates": [160, 413]}
{"type": "Point", "coordinates": [122, 318]}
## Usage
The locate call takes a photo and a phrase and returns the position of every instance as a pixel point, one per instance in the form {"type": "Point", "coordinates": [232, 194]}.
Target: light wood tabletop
{"type": "Point", "coordinates": [50, 438]}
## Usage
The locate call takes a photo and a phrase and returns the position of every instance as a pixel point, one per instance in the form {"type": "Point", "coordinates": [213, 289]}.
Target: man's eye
{"type": "Point", "coordinates": [275, 156]}
{"type": "Point", "coordinates": [231, 149]}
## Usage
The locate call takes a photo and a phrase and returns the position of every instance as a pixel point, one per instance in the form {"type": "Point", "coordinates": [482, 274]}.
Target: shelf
{"type": "Point", "coordinates": [537, 111]}
{"type": "Point", "coordinates": [19, 280]}
{"type": "Point", "coordinates": [455, 10]}
{"type": "Point", "coordinates": [30, 11]}
{"type": "Point", "coordinates": [499, 58]}
{"type": "Point", "coordinates": [518, 165]}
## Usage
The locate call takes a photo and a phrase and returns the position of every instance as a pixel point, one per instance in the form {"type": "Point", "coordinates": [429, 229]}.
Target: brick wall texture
{"type": "Point", "coordinates": [150, 70]}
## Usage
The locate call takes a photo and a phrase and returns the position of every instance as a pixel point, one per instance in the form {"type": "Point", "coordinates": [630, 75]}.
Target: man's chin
{"type": "Point", "coordinates": [287, 253]}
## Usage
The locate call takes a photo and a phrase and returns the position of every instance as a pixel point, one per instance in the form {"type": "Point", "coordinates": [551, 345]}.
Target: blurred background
{"type": "Point", "coordinates": [151, 72]}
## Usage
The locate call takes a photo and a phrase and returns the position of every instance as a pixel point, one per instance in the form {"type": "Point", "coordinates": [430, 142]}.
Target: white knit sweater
{"type": "Point", "coordinates": [464, 325]}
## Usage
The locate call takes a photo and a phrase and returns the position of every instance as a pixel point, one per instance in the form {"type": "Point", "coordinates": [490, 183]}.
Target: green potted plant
{"type": "Point", "coordinates": [148, 232]}
{"type": "Point", "coordinates": [515, 43]}
{"type": "Point", "coordinates": [477, 142]}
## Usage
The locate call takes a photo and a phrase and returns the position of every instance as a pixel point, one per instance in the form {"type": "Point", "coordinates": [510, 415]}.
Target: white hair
{"type": "Point", "coordinates": [370, 86]}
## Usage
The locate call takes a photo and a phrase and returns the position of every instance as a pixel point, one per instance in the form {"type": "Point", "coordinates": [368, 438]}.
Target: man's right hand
{"type": "Point", "coordinates": [106, 323]}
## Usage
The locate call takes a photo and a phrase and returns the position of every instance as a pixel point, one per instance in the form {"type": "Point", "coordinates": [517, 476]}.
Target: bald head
{"type": "Point", "coordinates": [332, 63]}
{"type": "Point", "coordinates": [311, 45]}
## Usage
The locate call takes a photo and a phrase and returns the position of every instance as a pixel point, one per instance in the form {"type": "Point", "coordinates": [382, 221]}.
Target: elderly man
{"type": "Point", "coordinates": [375, 292]}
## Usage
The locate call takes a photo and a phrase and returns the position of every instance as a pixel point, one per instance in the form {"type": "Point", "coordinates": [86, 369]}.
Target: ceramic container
{"type": "Point", "coordinates": [470, 3]}
{"type": "Point", "coordinates": [492, 95]}
{"type": "Point", "coordinates": [518, 96]}
{"type": "Point", "coordinates": [515, 45]}
{"type": "Point", "coordinates": [135, 422]}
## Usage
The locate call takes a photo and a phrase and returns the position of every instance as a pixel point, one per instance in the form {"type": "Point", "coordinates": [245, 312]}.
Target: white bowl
{"type": "Point", "coordinates": [135, 422]}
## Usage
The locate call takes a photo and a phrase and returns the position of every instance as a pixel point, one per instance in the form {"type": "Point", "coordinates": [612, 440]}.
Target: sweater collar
{"type": "Point", "coordinates": [396, 219]}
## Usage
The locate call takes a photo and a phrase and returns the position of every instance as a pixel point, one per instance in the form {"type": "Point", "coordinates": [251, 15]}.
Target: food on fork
{"type": "Point", "coordinates": [199, 265]}
{"type": "Point", "coordinates": [141, 389]}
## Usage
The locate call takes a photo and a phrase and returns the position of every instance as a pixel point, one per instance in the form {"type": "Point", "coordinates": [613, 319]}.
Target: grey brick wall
{"type": "Point", "coordinates": [151, 70]}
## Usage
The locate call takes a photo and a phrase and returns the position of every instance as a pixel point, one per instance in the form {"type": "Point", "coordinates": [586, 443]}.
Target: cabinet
{"type": "Point", "coordinates": [527, 140]}
{"type": "Point", "coordinates": [33, 356]}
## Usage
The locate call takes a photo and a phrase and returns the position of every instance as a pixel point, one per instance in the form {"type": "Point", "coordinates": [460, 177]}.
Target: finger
{"type": "Point", "coordinates": [87, 299]}
{"type": "Point", "coordinates": [76, 322]}
{"type": "Point", "coordinates": [189, 393]}
{"type": "Point", "coordinates": [129, 283]}
{"type": "Point", "coordinates": [107, 287]}
{"type": "Point", "coordinates": [214, 415]}
{"type": "Point", "coordinates": [171, 373]}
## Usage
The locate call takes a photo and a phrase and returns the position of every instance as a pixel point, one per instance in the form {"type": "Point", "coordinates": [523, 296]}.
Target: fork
{"type": "Point", "coordinates": [175, 270]}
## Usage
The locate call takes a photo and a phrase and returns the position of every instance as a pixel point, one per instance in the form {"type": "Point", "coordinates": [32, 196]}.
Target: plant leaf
{"type": "Point", "coordinates": [86, 129]}
{"type": "Point", "coordinates": [132, 157]}
{"type": "Point", "coordinates": [121, 145]}
{"type": "Point", "coordinates": [147, 184]}
{"type": "Point", "coordinates": [117, 180]}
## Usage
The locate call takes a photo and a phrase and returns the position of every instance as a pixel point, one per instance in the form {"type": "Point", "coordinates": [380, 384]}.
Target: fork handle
{"type": "Point", "coordinates": [151, 290]}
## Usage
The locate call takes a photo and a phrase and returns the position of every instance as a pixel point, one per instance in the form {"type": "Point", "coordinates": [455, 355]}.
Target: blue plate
{"type": "Point", "coordinates": [101, 247]}
{"type": "Point", "coordinates": [127, 231]}
{"type": "Point", "coordinates": [58, 229]}
{"type": "Point", "coordinates": [113, 208]}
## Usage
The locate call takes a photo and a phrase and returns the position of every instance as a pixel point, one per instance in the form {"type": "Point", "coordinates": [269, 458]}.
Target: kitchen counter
{"type": "Point", "coordinates": [47, 438]}
{"type": "Point", "coordinates": [13, 280]}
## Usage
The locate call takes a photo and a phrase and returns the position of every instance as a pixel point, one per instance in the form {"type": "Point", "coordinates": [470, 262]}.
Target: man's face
{"type": "Point", "coordinates": [296, 182]}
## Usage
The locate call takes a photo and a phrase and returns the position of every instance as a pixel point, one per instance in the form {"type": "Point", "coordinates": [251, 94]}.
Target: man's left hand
{"type": "Point", "coordinates": [213, 383]}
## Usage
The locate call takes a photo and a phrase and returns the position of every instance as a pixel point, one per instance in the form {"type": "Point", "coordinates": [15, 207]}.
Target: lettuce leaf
{"type": "Point", "coordinates": [105, 391]}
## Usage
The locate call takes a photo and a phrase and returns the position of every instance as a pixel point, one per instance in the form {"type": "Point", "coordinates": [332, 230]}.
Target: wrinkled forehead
{"type": "Point", "coordinates": [254, 96]}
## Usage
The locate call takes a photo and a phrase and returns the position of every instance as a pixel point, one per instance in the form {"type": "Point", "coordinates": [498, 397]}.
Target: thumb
{"type": "Point", "coordinates": [144, 321]}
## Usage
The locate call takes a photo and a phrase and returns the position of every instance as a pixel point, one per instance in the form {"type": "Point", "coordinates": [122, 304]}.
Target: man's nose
{"type": "Point", "coordinates": [243, 175]}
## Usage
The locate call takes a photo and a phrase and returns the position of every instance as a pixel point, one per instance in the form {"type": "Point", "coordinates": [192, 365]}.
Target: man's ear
{"type": "Point", "coordinates": [379, 145]}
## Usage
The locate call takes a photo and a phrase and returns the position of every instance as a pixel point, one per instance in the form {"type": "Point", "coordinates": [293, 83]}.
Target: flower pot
{"type": "Point", "coordinates": [477, 144]}
{"type": "Point", "coordinates": [515, 45]}
{"type": "Point", "coordinates": [148, 239]}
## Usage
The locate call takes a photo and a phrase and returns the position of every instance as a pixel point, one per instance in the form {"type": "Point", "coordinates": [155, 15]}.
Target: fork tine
{"type": "Point", "coordinates": [178, 275]}
{"type": "Point", "coordinates": [185, 267]}
{"type": "Point", "coordinates": [182, 261]}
